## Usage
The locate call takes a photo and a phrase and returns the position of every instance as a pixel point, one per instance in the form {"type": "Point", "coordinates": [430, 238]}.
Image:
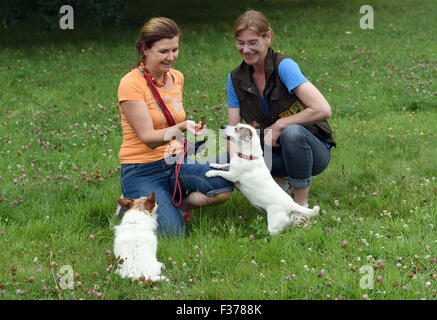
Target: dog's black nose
{"type": "Point", "coordinates": [223, 127]}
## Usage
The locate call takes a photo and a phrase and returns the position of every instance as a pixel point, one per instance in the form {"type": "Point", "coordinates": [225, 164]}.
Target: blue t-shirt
{"type": "Point", "coordinates": [289, 73]}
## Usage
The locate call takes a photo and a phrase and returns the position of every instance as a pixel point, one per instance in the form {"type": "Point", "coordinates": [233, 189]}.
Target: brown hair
{"type": "Point", "coordinates": [154, 30]}
{"type": "Point", "coordinates": [253, 20]}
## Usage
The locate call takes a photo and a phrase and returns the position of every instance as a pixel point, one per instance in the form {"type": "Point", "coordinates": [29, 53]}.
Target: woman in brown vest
{"type": "Point", "coordinates": [269, 88]}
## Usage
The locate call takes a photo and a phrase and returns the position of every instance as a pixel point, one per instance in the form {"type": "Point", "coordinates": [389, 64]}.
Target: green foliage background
{"type": "Point", "coordinates": [60, 135]}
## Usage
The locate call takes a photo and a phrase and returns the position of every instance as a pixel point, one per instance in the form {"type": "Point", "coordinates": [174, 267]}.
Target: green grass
{"type": "Point", "coordinates": [60, 136]}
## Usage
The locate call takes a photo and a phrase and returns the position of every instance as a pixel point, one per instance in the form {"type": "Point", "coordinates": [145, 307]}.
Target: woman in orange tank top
{"type": "Point", "coordinates": [148, 150]}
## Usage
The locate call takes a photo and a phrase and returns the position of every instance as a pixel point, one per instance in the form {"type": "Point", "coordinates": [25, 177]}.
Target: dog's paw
{"type": "Point", "coordinates": [211, 173]}
{"type": "Point", "coordinates": [157, 278]}
{"type": "Point", "coordinates": [122, 273]}
{"type": "Point", "coordinates": [277, 228]}
{"type": "Point", "coordinates": [298, 219]}
{"type": "Point", "coordinates": [274, 232]}
{"type": "Point", "coordinates": [224, 167]}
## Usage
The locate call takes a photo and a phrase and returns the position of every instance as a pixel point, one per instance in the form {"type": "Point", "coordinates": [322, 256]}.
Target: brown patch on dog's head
{"type": "Point", "coordinates": [144, 204]}
{"type": "Point", "coordinates": [245, 133]}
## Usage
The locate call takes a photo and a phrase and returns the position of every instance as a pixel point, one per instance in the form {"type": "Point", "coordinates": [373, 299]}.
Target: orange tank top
{"type": "Point", "coordinates": [133, 86]}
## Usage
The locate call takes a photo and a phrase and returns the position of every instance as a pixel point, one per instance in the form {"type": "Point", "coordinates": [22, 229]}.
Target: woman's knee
{"type": "Point", "coordinates": [293, 132]}
{"type": "Point", "coordinates": [171, 230]}
{"type": "Point", "coordinates": [170, 222]}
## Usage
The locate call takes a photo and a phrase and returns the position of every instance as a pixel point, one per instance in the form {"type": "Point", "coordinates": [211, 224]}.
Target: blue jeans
{"type": "Point", "coordinates": [141, 179]}
{"type": "Point", "coordinates": [300, 156]}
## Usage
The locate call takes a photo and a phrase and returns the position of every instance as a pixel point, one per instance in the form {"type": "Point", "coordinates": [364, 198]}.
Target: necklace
{"type": "Point", "coordinates": [158, 84]}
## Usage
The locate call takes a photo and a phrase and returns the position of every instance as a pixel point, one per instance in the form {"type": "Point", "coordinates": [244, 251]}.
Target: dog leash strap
{"type": "Point", "coordinates": [171, 123]}
{"type": "Point", "coordinates": [159, 100]}
{"type": "Point", "coordinates": [177, 186]}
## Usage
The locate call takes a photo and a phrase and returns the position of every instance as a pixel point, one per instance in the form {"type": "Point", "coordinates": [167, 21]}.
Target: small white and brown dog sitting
{"type": "Point", "coordinates": [136, 243]}
{"type": "Point", "coordinates": [251, 176]}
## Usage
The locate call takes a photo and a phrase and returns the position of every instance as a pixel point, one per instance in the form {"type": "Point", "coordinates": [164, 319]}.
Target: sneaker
{"type": "Point", "coordinates": [185, 215]}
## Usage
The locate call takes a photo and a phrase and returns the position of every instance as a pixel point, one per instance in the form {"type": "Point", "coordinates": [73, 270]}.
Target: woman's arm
{"type": "Point", "coordinates": [317, 109]}
{"type": "Point", "coordinates": [234, 116]}
{"type": "Point", "coordinates": [138, 115]}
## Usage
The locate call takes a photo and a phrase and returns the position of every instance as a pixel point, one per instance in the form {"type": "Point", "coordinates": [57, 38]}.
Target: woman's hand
{"type": "Point", "coordinates": [273, 133]}
{"type": "Point", "coordinates": [196, 129]}
{"type": "Point", "coordinates": [317, 109]}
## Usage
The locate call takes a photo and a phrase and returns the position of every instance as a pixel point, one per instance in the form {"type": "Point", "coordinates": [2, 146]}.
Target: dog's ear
{"type": "Point", "coordinates": [151, 197]}
{"type": "Point", "coordinates": [126, 202]}
{"type": "Point", "coordinates": [245, 134]}
{"type": "Point", "coordinates": [150, 203]}
{"type": "Point", "coordinates": [255, 125]}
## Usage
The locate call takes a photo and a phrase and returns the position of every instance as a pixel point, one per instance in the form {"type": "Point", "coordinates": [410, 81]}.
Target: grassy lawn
{"type": "Point", "coordinates": [59, 171]}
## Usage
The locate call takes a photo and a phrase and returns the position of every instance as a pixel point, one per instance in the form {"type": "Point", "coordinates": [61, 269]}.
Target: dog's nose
{"type": "Point", "coordinates": [223, 127]}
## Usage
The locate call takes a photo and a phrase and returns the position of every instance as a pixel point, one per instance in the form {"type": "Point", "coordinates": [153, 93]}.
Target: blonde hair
{"type": "Point", "coordinates": [253, 20]}
{"type": "Point", "coordinates": [154, 30]}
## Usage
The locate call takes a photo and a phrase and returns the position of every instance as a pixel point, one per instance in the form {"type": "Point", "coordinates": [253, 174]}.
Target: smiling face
{"type": "Point", "coordinates": [162, 55]}
{"type": "Point", "coordinates": [252, 46]}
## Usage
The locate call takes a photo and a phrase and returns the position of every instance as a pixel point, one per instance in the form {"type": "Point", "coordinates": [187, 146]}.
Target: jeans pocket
{"type": "Point", "coordinates": [128, 169]}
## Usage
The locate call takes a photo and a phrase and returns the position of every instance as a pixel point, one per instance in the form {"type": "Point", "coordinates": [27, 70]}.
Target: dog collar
{"type": "Point", "coordinates": [243, 156]}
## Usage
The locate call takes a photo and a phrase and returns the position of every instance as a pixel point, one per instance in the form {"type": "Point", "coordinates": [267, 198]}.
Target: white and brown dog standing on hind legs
{"type": "Point", "coordinates": [136, 243]}
{"type": "Point", "coordinates": [251, 176]}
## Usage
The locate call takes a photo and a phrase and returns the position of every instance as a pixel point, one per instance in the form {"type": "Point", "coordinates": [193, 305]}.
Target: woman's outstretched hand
{"type": "Point", "coordinates": [196, 129]}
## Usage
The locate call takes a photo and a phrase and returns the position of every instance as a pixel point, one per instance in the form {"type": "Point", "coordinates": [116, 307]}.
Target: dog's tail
{"type": "Point", "coordinates": [315, 210]}
{"type": "Point", "coordinates": [306, 211]}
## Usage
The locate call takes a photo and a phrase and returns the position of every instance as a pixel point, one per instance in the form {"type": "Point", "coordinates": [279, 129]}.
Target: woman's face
{"type": "Point", "coordinates": [252, 46]}
{"type": "Point", "coordinates": [162, 55]}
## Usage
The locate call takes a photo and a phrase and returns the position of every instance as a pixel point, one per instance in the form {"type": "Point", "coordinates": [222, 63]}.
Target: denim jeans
{"type": "Point", "coordinates": [300, 156]}
{"type": "Point", "coordinates": [141, 179]}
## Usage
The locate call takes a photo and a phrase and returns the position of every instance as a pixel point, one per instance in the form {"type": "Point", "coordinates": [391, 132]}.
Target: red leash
{"type": "Point", "coordinates": [158, 99]}
{"type": "Point", "coordinates": [171, 123]}
{"type": "Point", "coordinates": [177, 186]}
{"type": "Point", "coordinates": [178, 169]}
